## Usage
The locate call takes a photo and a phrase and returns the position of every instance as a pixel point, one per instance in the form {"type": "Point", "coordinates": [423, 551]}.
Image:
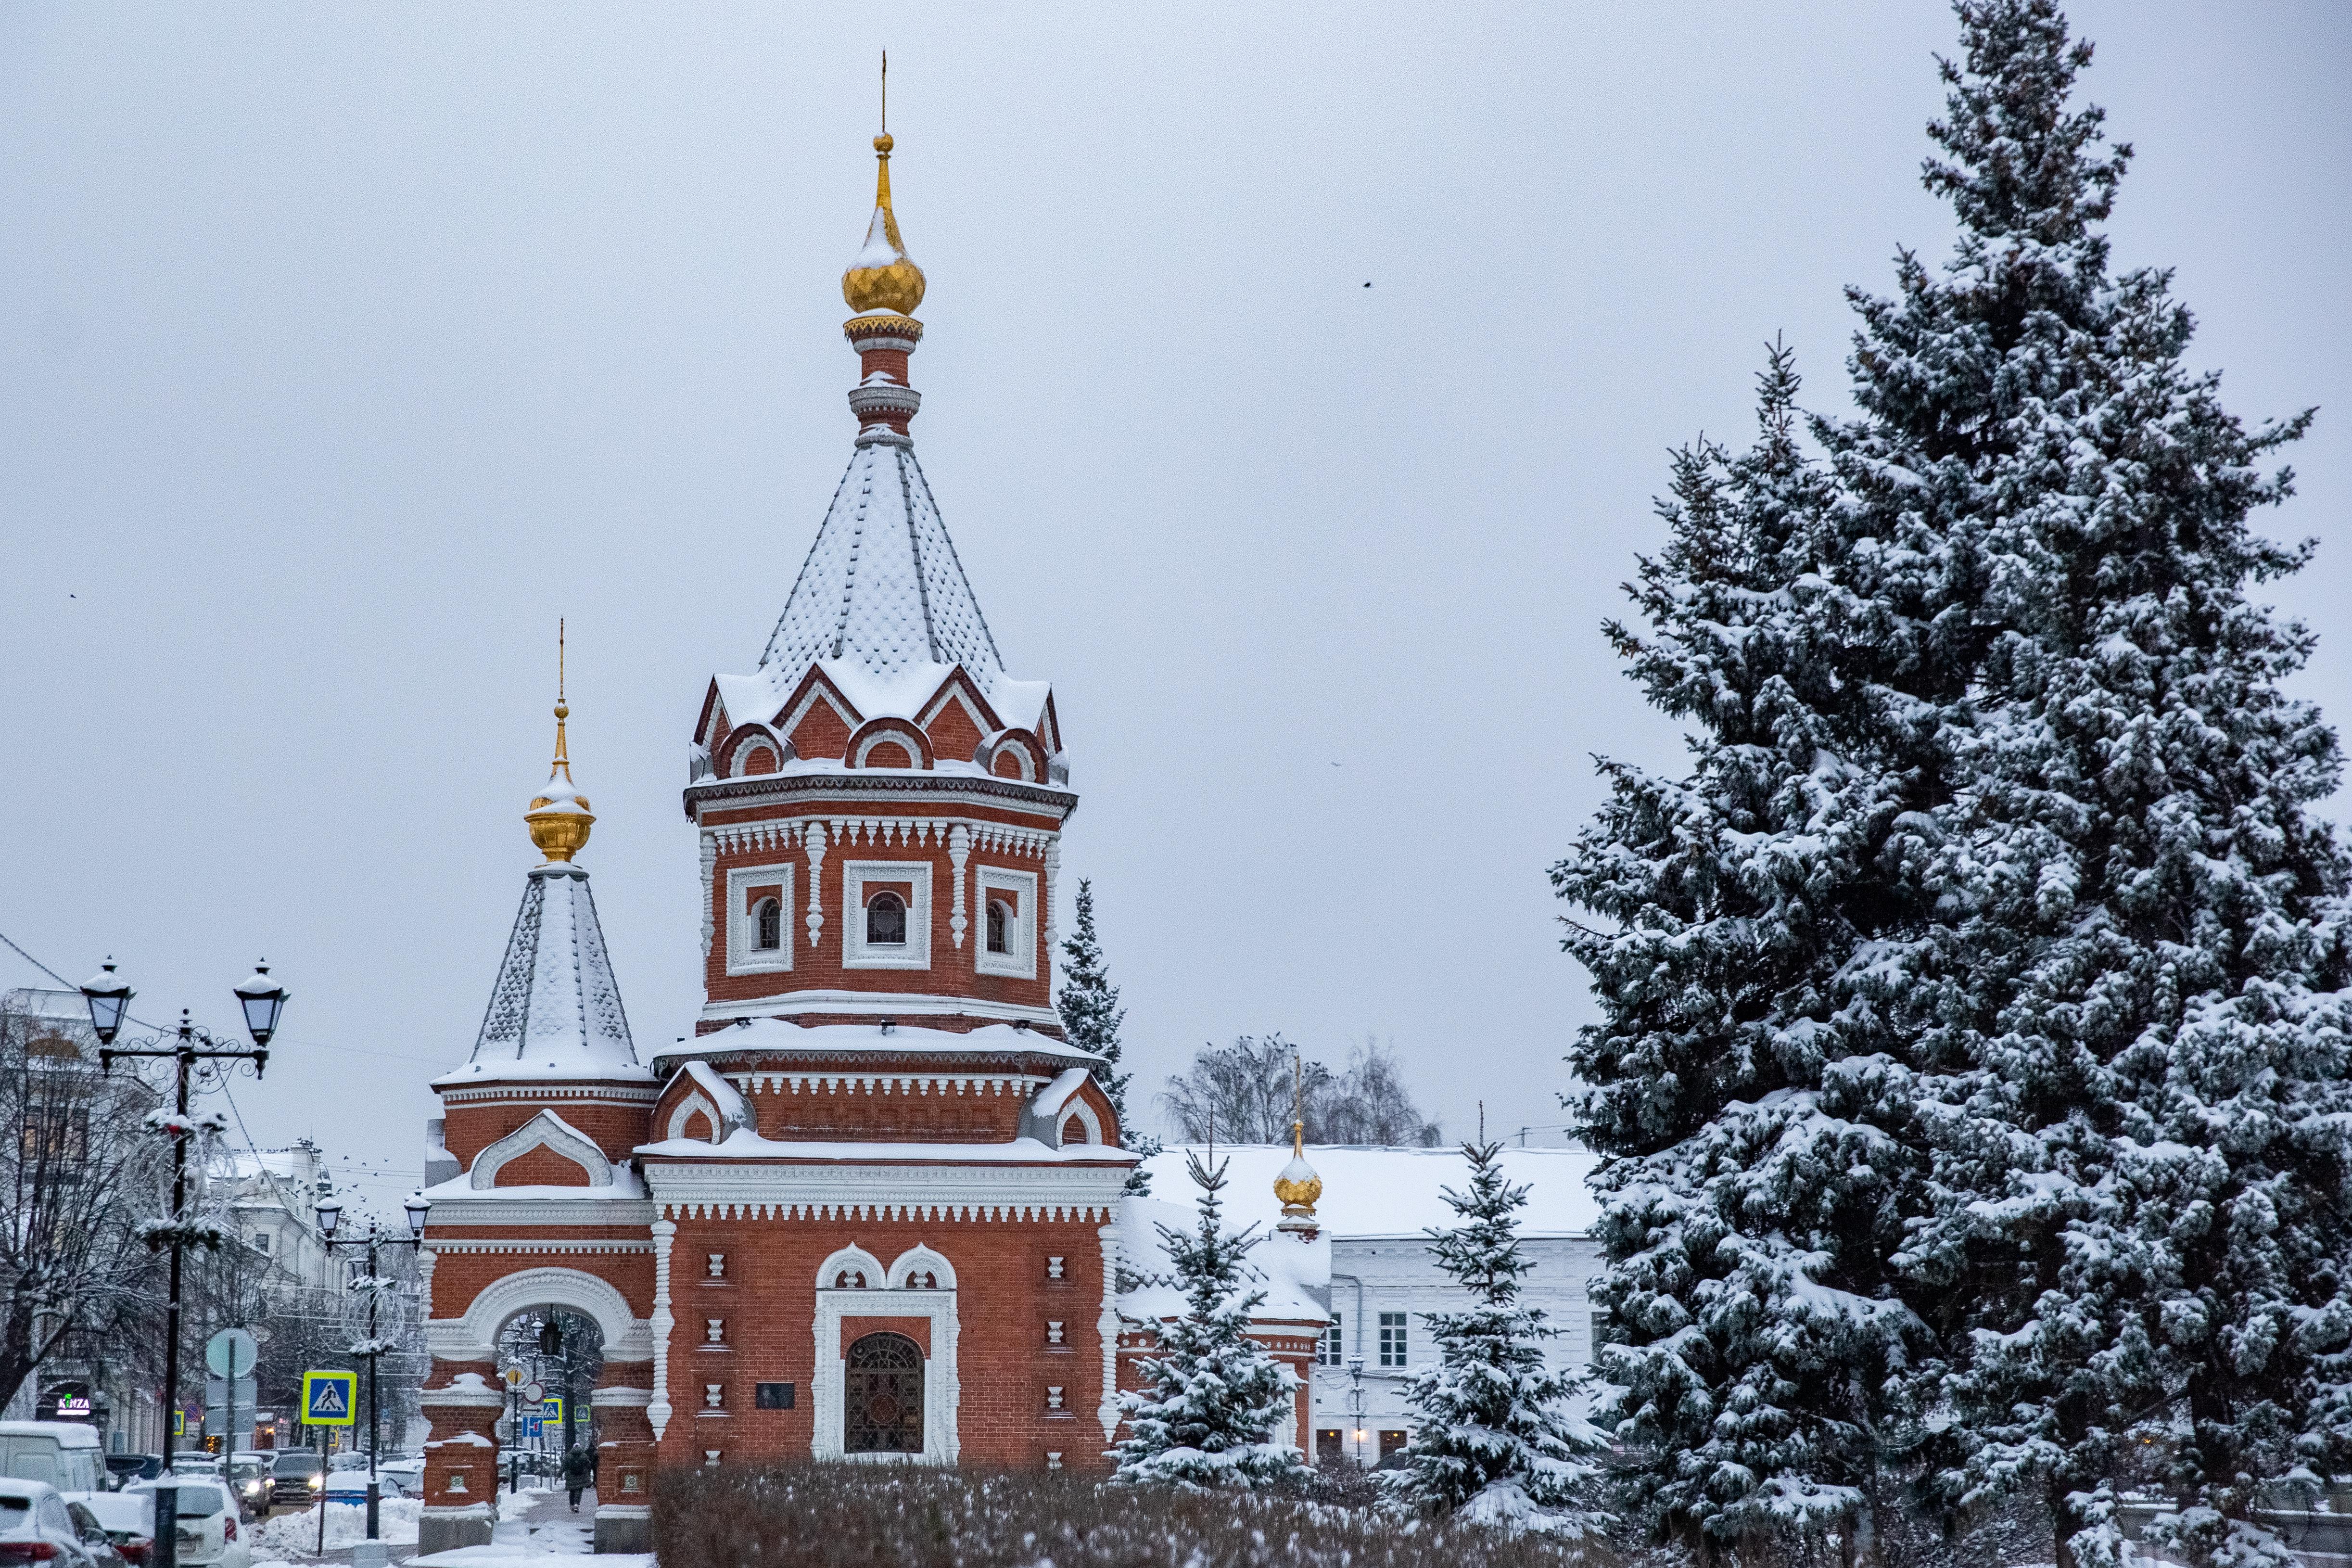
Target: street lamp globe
{"type": "Point", "coordinates": [331, 1214]}
{"type": "Point", "coordinates": [418, 1206]}
{"type": "Point", "coordinates": [262, 999]}
{"type": "Point", "coordinates": [109, 996]}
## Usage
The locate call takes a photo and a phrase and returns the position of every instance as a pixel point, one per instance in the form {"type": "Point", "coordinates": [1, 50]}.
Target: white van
{"type": "Point", "coordinates": [65, 1454]}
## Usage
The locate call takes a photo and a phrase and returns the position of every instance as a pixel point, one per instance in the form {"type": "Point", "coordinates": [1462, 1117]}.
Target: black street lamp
{"type": "Point", "coordinates": [192, 1051]}
{"type": "Point", "coordinates": [331, 1214]}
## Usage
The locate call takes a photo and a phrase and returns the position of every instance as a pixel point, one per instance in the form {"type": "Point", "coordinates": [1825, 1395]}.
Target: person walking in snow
{"type": "Point", "coordinates": [575, 1473]}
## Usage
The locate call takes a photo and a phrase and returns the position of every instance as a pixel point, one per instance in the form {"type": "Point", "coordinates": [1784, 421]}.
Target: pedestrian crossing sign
{"type": "Point", "coordinates": [551, 1408]}
{"type": "Point", "coordinates": [330, 1398]}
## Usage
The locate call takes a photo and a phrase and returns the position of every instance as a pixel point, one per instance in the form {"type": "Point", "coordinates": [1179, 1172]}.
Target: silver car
{"type": "Point", "coordinates": [36, 1527]}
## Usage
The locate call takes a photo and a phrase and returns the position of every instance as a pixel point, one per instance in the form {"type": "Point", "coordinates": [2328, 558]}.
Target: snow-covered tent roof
{"type": "Point", "coordinates": [881, 586]}
{"type": "Point", "coordinates": [1390, 1192]}
{"type": "Point", "coordinates": [555, 1011]}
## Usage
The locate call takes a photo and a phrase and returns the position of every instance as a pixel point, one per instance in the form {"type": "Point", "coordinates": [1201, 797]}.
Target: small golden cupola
{"type": "Point", "coordinates": [883, 276]}
{"type": "Point", "coordinates": [558, 815]}
{"type": "Point", "coordinates": [1298, 1186]}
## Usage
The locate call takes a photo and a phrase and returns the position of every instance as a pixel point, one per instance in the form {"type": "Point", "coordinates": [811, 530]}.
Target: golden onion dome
{"type": "Point", "coordinates": [882, 276]}
{"type": "Point", "coordinates": [559, 816]}
{"type": "Point", "coordinates": [1298, 1186]}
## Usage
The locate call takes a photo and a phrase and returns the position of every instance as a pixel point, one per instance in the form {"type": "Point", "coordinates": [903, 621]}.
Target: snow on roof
{"type": "Point", "coordinates": [54, 1006]}
{"type": "Point", "coordinates": [746, 1144]}
{"type": "Point", "coordinates": [1058, 1093]}
{"type": "Point", "coordinates": [555, 1011]}
{"type": "Point", "coordinates": [1295, 1275]}
{"type": "Point", "coordinates": [627, 1187]}
{"type": "Point", "coordinates": [775, 1036]}
{"type": "Point", "coordinates": [1391, 1191]}
{"type": "Point", "coordinates": [881, 587]}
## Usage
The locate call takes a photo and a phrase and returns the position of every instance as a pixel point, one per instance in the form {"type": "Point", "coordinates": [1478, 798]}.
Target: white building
{"type": "Point", "coordinates": [270, 1196]}
{"type": "Point", "coordinates": [1376, 1209]}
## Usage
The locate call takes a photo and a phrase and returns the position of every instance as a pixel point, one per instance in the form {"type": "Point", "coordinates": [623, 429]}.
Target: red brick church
{"type": "Point", "coordinates": [871, 1210]}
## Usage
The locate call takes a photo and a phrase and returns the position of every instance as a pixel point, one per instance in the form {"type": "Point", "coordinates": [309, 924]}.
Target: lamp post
{"type": "Point", "coordinates": [331, 1214]}
{"type": "Point", "coordinates": [191, 1049]}
{"type": "Point", "coordinates": [1355, 1398]}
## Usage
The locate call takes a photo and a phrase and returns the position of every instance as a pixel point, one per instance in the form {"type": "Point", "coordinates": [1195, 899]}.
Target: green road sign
{"type": "Point", "coordinates": [330, 1398]}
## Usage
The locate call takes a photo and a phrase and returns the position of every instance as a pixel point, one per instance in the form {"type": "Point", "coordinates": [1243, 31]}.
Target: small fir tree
{"type": "Point", "coordinates": [1216, 1404]}
{"type": "Point", "coordinates": [1498, 1439]}
{"type": "Point", "coordinates": [1091, 1017]}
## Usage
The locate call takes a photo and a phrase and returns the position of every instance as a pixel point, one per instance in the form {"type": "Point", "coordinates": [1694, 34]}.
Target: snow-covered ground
{"type": "Point", "coordinates": [296, 1535]}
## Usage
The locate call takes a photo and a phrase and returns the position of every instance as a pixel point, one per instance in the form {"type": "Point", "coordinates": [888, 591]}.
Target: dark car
{"type": "Point", "coordinates": [124, 1468]}
{"type": "Point", "coordinates": [296, 1477]}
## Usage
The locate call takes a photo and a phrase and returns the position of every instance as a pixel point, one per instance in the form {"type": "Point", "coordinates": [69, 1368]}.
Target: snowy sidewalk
{"type": "Point", "coordinates": [540, 1527]}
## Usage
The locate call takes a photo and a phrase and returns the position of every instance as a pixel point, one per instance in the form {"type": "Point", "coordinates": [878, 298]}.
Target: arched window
{"type": "Point", "coordinates": [1000, 926]}
{"type": "Point", "coordinates": [771, 926]}
{"type": "Point", "coordinates": [1073, 1132]}
{"type": "Point", "coordinates": [886, 921]}
{"type": "Point", "coordinates": [882, 1412]}
{"type": "Point", "coordinates": [850, 1280]}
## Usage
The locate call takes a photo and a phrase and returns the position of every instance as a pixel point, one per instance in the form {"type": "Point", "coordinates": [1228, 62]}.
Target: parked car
{"type": "Point", "coordinates": [63, 1454]}
{"type": "Point", "coordinates": [207, 1528]}
{"type": "Point", "coordinates": [297, 1476]}
{"type": "Point", "coordinates": [129, 1521]}
{"type": "Point", "coordinates": [37, 1525]}
{"type": "Point", "coordinates": [127, 1467]}
{"type": "Point", "coordinates": [403, 1477]}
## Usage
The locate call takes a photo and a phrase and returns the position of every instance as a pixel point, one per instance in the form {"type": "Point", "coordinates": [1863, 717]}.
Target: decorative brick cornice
{"type": "Point", "coordinates": [973, 789]}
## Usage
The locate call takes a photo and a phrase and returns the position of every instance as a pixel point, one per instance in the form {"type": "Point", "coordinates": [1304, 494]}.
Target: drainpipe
{"type": "Point", "coordinates": [1358, 1414]}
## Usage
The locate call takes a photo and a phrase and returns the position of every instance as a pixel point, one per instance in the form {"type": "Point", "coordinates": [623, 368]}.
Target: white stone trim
{"type": "Point", "coordinates": [744, 953]}
{"type": "Point", "coordinates": [920, 1257]}
{"type": "Point", "coordinates": [1086, 1119]}
{"type": "Point", "coordinates": [1021, 963]}
{"type": "Point", "coordinates": [916, 952]}
{"type": "Point", "coordinates": [828, 1379]}
{"type": "Point", "coordinates": [1107, 1329]}
{"type": "Point", "coordinates": [547, 1131]}
{"type": "Point", "coordinates": [913, 747]}
{"type": "Point", "coordinates": [709, 857]}
{"type": "Point", "coordinates": [545, 1247]}
{"type": "Point", "coordinates": [685, 1111]}
{"type": "Point", "coordinates": [509, 1213]}
{"type": "Point", "coordinates": [657, 1409]}
{"type": "Point", "coordinates": [959, 851]}
{"type": "Point", "coordinates": [739, 765]}
{"type": "Point", "coordinates": [629, 1094]}
{"type": "Point", "coordinates": [878, 1005]}
{"type": "Point", "coordinates": [900, 1085]}
{"type": "Point", "coordinates": [471, 1335]}
{"type": "Point", "coordinates": [732, 1190]}
{"type": "Point", "coordinates": [851, 1260]}
{"type": "Point", "coordinates": [812, 839]}
{"type": "Point", "coordinates": [621, 1398]}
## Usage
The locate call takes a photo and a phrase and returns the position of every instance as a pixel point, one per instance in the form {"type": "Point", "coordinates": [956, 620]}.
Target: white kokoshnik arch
{"type": "Point", "coordinates": [920, 1260]}
{"type": "Point", "coordinates": [545, 1130]}
{"type": "Point", "coordinates": [864, 1269]}
{"type": "Point", "coordinates": [473, 1335]}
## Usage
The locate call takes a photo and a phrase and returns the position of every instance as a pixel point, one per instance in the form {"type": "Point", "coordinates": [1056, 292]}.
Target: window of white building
{"type": "Point", "coordinates": [1332, 1352]}
{"type": "Point", "coordinates": [1392, 1339]}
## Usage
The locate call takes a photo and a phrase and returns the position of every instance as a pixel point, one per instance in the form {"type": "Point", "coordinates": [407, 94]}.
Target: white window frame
{"type": "Point", "coordinates": [1332, 1350]}
{"type": "Point", "coordinates": [856, 953]}
{"type": "Point", "coordinates": [743, 954]}
{"type": "Point", "coordinates": [1400, 1324]}
{"type": "Point", "coordinates": [1021, 964]}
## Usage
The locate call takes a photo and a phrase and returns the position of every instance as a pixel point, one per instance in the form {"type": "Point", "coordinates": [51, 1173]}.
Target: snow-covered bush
{"type": "Point", "coordinates": [855, 1515]}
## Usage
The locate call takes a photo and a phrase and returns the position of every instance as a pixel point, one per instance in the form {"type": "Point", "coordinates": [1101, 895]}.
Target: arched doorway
{"type": "Point", "coordinates": [562, 1351]}
{"type": "Point", "coordinates": [882, 1412]}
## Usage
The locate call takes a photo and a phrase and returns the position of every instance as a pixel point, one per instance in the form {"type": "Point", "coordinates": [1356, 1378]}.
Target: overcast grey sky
{"type": "Point", "coordinates": [344, 348]}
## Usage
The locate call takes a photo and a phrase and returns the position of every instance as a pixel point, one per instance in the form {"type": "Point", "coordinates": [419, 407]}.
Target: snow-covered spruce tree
{"type": "Point", "coordinates": [1994, 873]}
{"type": "Point", "coordinates": [1497, 1438]}
{"type": "Point", "coordinates": [1217, 1407]}
{"type": "Point", "coordinates": [2135, 997]}
{"type": "Point", "coordinates": [1747, 1078]}
{"type": "Point", "coordinates": [1091, 1017]}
